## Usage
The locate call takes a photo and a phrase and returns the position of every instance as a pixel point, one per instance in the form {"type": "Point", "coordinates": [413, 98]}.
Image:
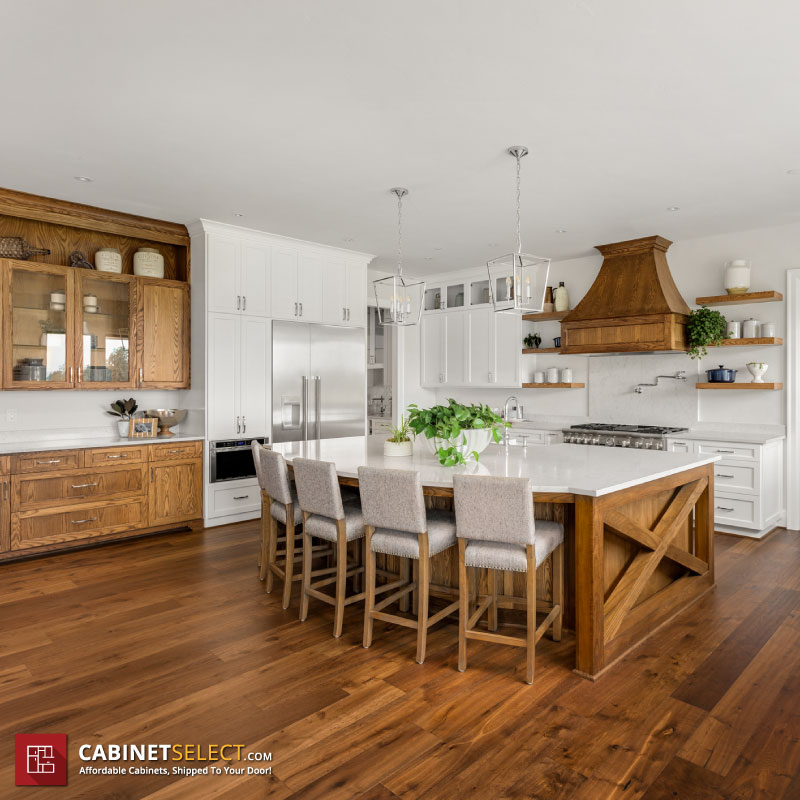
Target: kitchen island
{"type": "Point", "coordinates": [639, 528]}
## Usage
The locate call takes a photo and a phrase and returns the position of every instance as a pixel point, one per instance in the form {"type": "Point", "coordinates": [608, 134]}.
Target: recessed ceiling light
{"type": "Point", "coordinates": [438, 249]}
{"type": "Point", "coordinates": [673, 208]}
{"type": "Point", "coordinates": [238, 215]}
{"type": "Point", "coordinates": [348, 239]}
{"type": "Point", "coordinates": [493, 244]}
{"type": "Point", "coordinates": [561, 230]}
{"type": "Point", "coordinates": [429, 258]}
{"type": "Point", "coordinates": [83, 179]}
{"type": "Point", "coordinates": [795, 171]}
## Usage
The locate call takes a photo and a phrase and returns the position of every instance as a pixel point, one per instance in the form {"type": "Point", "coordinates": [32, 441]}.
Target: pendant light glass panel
{"type": "Point", "coordinates": [518, 282]}
{"type": "Point", "coordinates": [399, 300]}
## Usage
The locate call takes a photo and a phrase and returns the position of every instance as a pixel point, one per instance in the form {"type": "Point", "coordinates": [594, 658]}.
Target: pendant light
{"type": "Point", "coordinates": [399, 300]}
{"type": "Point", "coordinates": [518, 281]}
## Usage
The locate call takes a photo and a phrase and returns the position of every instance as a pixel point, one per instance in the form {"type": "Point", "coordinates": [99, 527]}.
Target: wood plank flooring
{"type": "Point", "coordinates": [172, 639]}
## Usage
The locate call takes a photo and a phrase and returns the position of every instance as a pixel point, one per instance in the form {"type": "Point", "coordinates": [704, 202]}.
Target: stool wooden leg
{"type": "Point", "coordinates": [272, 547]}
{"type": "Point", "coordinates": [341, 578]}
{"type": "Point", "coordinates": [558, 590]}
{"type": "Point", "coordinates": [306, 582]}
{"type": "Point", "coordinates": [370, 588]}
{"type": "Point", "coordinates": [405, 571]}
{"type": "Point", "coordinates": [288, 570]}
{"type": "Point", "coordinates": [491, 576]}
{"type": "Point", "coordinates": [424, 593]}
{"type": "Point", "coordinates": [530, 604]}
{"type": "Point", "coordinates": [463, 606]}
{"type": "Point", "coordinates": [265, 517]}
{"type": "Point", "coordinates": [415, 592]}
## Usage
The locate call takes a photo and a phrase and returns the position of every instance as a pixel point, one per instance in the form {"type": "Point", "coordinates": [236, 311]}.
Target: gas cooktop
{"type": "Point", "coordinates": [647, 437]}
{"type": "Point", "coordinates": [652, 430]}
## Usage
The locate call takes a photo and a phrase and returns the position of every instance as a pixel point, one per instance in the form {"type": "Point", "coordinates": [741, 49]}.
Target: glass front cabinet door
{"type": "Point", "coordinates": [104, 314]}
{"type": "Point", "coordinates": [38, 326]}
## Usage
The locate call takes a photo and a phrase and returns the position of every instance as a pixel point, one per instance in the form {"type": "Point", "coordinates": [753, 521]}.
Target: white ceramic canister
{"type": "Point", "coordinates": [737, 276]}
{"type": "Point", "coordinates": [768, 330]}
{"type": "Point", "coordinates": [566, 375]}
{"type": "Point", "coordinates": [148, 262]}
{"type": "Point", "coordinates": [561, 297]}
{"type": "Point", "coordinates": [58, 300]}
{"type": "Point", "coordinates": [734, 329]}
{"type": "Point", "coordinates": [538, 376]}
{"type": "Point", "coordinates": [108, 259]}
{"type": "Point", "coordinates": [750, 328]}
{"type": "Point", "coordinates": [553, 375]}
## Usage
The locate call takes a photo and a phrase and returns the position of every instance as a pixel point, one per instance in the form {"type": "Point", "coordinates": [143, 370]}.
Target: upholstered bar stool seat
{"type": "Point", "coordinates": [279, 504]}
{"type": "Point", "coordinates": [398, 524]}
{"type": "Point", "coordinates": [497, 532]}
{"type": "Point", "coordinates": [327, 517]}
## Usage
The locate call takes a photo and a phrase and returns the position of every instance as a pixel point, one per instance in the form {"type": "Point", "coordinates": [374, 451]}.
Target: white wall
{"type": "Point", "coordinates": [697, 267]}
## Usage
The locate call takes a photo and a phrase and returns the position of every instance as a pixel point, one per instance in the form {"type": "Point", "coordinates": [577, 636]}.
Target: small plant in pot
{"type": "Point", "coordinates": [399, 443]}
{"type": "Point", "coordinates": [532, 341]}
{"type": "Point", "coordinates": [456, 432]}
{"type": "Point", "coordinates": [123, 410]}
{"type": "Point", "coordinates": [705, 327]}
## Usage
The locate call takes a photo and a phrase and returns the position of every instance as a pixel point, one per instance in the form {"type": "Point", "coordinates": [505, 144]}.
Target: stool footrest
{"type": "Point", "coordinates": [497, 638]}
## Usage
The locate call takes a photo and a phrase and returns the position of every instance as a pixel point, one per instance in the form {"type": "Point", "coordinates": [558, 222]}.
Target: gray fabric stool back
{"type": "Point", "coordinates": [274, 475]}
{"type": "Point", "coordinates": [494, 509]}
{"type": "Point", "coordinates": [392, 498]}
{"type": "Point", "coordinates": [318, 488]}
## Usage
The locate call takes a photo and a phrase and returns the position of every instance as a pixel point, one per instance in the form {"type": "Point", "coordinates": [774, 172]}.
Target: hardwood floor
{"type": "Point", "coordinates": [172, 639]}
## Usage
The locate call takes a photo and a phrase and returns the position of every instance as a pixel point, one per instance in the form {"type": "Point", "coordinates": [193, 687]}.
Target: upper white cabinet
{"type": "Point", "coordinates": [356, 295]}
{"type": "Point", "coordinates": [432, 355]}
{"type": "Point", "coordinates": [238, 275]}
{"type": "Point", "coordinates": [284, 283]}
{"type": "Point", "coordinates": [344, 289]}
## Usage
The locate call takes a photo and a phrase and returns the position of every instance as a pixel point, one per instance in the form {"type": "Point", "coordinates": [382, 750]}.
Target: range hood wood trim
{"type": "Point", "coordinates": [634, 288]}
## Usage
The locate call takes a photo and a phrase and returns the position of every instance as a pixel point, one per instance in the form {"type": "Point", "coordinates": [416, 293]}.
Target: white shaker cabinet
{"type": "Point", "coordinates": [479, 343]}
{"type": "Point", "coordinates": [239, 352]}
{"type": "Point", "coordinates": [344, 287]}
{"type": "Point", "coordinates": [356, 294]}
{"type": "Point", "coordinates": [297, 285]}
{"type": "Point", "coordinates": [285, 270]}
{"type": "Point", "coordinates": [238, 275]}
{"type": "Point", "coordinates": [507, 348]}
{"type": "Point", "coordinates": [455, 348]}
{"type": "Point", "coordinates": [432, 356]}
{"type": "Point", "coordinates": [309, 288]}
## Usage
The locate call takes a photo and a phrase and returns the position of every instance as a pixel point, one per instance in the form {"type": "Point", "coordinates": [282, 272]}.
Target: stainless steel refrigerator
{"type": "Point", "coordinates": [319, 384]}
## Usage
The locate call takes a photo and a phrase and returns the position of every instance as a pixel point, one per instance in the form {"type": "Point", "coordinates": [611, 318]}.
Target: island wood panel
{"type": "Point", "coordinates": [34, 491]}
{"type": "Point", "coordinates": [164, 322]}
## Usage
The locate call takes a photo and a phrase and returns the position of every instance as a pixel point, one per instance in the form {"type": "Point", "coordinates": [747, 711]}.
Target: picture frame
{"type": "Point", "coordinates": [143, 428]}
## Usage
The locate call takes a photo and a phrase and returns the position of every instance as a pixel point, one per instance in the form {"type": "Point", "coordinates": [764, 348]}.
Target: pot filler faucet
{"type": "Point", "coordinates": [504, 442]}
{"type": "Point", "coordinates": [678, 376]}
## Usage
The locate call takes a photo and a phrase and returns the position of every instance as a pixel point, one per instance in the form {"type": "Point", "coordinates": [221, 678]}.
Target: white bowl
{"type": "Point", "coordinates": [477, 439]}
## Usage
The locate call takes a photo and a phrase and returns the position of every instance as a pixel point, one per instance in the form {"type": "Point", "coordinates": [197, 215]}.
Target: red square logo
{"type": "Point", "coordinates": [41, 759]}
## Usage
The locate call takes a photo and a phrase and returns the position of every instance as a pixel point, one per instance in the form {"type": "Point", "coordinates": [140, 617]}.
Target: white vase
{"type": "Point", "coordinates": [757, 370]}
{"type": "Point", "coordinates": [400, 449]}
{"type": "Point", "coordinates": [148, 262]}
{"type": "Point", "coordinates": [476, 439]}
{"type": "Point", "coordinates": [561, 297]}
{"type": "Point", "coordinates": [123, 426]}
{"type": "Point", "coordinates": [737, 276]}
{"type": "Point", "coordinates": [108, 259]}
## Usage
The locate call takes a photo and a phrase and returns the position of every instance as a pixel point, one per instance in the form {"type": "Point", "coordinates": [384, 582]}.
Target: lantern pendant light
{"type": "Point", "coordinates": [518, 281]}
{"type": "Point", "coordinates": [399, 300]}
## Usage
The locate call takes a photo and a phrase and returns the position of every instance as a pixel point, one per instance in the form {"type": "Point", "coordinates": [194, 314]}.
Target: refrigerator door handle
{"type": "Point", "coordinates": [304, 410]}
{"type": "Point", "coordinates": [318, 406]}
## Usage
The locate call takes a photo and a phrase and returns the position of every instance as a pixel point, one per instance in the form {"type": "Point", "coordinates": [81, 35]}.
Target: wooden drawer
{"type": "Point", "coordinates": [732, 510]}
{"type": "Point", "coordinates": [37, 528]}
{"type": "Point", "coordinates": [46, 461]}
{"type": "Point", "coordinates": [5, 463]}
{"type": "Point", "coordinates": [78, 486]}
{"type": "Point", "coordinates": [175, 452]}
{"type": "Point", "coordinates": [729, 450]}
{"type": "Point", "coordinates": [732, 476]}
{"type": "Point", "coordinates": [114, 455]}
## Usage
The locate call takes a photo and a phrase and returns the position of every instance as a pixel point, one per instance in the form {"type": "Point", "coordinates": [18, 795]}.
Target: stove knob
{"type": "Point", "coordinates": [610, 442]}
{"type": "Point", "coordinates": [658, 446]}
{"type": "Point", "coordinates": [625, 443]}
{"type": "Point", "coordinates": [637, 443]}
{"type": "Point", "coordinates": [648, 444]}
{"type": "Point", "coordinates": [595, 440]}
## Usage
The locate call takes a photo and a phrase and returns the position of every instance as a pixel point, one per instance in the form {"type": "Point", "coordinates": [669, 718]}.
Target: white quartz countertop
{"type": "Point", "coordinates": [570, 468]}
{"type": "Point", "coordinates": [734, 434]}
{"type": "Point", "coordinates": [35, 445]}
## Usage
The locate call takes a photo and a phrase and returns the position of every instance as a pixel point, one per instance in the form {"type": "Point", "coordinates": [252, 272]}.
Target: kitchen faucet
{"type": "Point", "coordinates": [504, 442]}
{"type": "Point", "coordinates": [678, 376]}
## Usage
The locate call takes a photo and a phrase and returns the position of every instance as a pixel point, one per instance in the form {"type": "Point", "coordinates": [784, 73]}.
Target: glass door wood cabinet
{"type": "Point", "coordinates": [105, 317]}
{"type": "Point", "coordinates": [38, 326]}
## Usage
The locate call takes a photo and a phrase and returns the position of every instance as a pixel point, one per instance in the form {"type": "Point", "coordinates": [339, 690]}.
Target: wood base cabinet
{"type": "Point", "coordinates": [53, 500]}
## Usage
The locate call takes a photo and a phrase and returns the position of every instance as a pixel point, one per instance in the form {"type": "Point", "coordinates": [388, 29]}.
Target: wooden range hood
{"type": "Point", "coordinates": [633, 305]}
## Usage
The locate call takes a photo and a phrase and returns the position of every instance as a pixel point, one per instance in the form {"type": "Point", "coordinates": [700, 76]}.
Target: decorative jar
{"type": "Point", "coordinates": [108, 259]}
{"type": "Point", "coordinates": [148, 263]}
{"type": "Point", "coordinates": [737, 276]}
{"type": "Point", "coordinates": [750, 328]}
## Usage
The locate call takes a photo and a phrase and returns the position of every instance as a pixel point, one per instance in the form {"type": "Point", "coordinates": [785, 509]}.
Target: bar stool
{"type": "Point", "coordinates": [326, 517]}
{"type": "Point", "coordinates": [397, 524]}
{"type": "Point", "coordinates": [279, 505]}
{"type": "Point", "coordinates": [496, 531]}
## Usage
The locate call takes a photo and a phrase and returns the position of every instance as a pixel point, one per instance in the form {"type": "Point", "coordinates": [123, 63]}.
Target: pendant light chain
{"type": "Point", "coordinates": [519, 182]}
{"type": "Point", "coordinates": [400, 234]}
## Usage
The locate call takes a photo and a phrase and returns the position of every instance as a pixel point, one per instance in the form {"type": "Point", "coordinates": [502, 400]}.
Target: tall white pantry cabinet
{"type": "Point", "coordinates": [242, 279]}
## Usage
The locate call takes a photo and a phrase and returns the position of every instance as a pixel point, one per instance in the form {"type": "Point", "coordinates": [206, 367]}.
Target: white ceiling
{"type": "Point", "coordinates": [301, 115]}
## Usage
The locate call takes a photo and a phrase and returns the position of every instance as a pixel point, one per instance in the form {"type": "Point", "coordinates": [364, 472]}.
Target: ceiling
{"type": "Point", "coordinates": [301, 115]}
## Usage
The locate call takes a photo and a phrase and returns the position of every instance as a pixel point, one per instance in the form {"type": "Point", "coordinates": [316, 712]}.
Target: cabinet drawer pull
{"type": "Point", "coordinates": [726, 451]}
{"type": "Point", "coordinates": [119, 455]}
{"type": "Point", "coordinates": [723, 475]}
{"type": "Point", "coordinates": [141, 375]}
{"type": "Point", "coordinates": [244, 303]}
{"type": "Point", "coordinates": [81, 521]}
{"type": "Point", "coordinates": [241, 497]}
{"type": "Point", "coordinates": [300, 305]}
{"type": "Point", "coordinates": [176, 451]}
{"type": "Point", "coordinates": [50, 461]}
{"type": "Point", "coordinates": [723, 508]}
{"type": "Point", "coordinates": [238, 302]}
{"type": "Point", "coordinates": [5, 490]}
{"type": "Point", "coordinates": [682, 444]}
{"type": "Point", "coordinates": [83, 485]}
{"type": "Point", "coordinates": [295, 309]}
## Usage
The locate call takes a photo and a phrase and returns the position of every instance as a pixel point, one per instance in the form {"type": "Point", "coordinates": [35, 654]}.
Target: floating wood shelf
{"type": "Point", "coordinates": [532, 351]}
{"type": "Point", "coordinates": [764, 387]}
{"type": "Point", "coordinates": [554, 385]}
{"type": "Point", "coordinates": [734, 299]}
{"type": "Point", "coordinates": [544, 316]}
{"type": "Point", "coordinates": [761, 341]}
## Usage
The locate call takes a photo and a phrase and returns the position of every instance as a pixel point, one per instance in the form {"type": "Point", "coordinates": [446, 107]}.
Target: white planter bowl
{"type": "Point", "coordinates": [399, 449]}
{"type": "Point", "coordinates": [477, 440]}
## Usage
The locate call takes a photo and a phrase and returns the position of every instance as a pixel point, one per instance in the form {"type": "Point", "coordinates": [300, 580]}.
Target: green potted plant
{"type": "Point", "coordinates": [705, 327]}
{"type": "Point", "coordinates": [123, 410]}
{"type": "Point", "coordinates": [532, 340]}
{"type": "Point", "coordinates": [399, 443]}
{"type": "Point", "coordinates": [456, 432]}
